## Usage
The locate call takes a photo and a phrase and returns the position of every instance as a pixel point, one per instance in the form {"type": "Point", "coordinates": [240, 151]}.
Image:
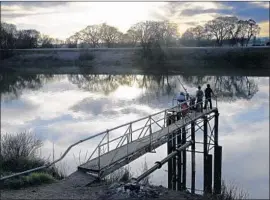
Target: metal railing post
{"type": "Point", "coordinates": [99, 160]}
{"type": "Point", "coordinates": [108, 141]}
{"type": "Point", "coordinates": [130, 131]}
{"type": "Point", "coordinates": [150, 133]}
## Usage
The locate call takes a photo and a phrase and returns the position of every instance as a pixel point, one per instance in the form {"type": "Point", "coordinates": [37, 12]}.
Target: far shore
{"type": "Point", "coordinates": [242, 61]}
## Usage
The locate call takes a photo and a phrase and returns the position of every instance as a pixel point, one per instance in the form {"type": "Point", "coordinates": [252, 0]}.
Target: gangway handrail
{"type": "Point", "coordinates": [76, 143]}
{"type": "Point", "coordinates": [91, 137]}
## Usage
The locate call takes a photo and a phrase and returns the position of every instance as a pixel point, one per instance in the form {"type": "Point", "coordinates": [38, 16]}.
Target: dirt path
{"type": "Point", "coordinates": [61, 191]}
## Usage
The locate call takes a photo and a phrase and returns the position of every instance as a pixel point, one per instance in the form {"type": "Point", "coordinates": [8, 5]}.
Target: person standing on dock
{"type": "Point", "coordinates": [199, 95]}
{"type": "Point", "coordinates": [208, 94]}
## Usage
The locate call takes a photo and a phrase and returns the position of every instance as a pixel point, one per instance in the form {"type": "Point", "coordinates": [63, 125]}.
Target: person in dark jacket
{"type": "Point", "coordinates": [208, 92]}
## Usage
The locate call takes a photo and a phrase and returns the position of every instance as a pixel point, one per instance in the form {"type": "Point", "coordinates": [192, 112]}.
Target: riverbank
{"type": "Point", "coordinates": [251, 61]}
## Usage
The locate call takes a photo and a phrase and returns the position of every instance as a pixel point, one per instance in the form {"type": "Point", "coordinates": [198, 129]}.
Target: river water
{"type": "Point", "coordinates": [62, 109]}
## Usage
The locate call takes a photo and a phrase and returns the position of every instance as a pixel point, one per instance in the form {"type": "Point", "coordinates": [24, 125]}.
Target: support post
{"type": "Point", "coordinates": [174, 162]}
{"type": "Point", "coordinates": [208, 178]}
{"type": "Point", "coordinates": [179, 162]}
{"type": "Point", "coordinates": [205, 153]}
{"type": "Point", "coordinates": [169, 150]}
{"type": "Point", "coordinates": [184, 155]}
{"type": "Point", "coordinates": [193, 158]}
{"type": "Point", "coordinates": [217, 169]}
{"type": "Point", "coordinates": [217, 158]}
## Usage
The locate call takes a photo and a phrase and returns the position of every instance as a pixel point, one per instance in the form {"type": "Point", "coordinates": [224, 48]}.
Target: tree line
{"type": "Point", "coordinates": [147, 34]}
{"type": "Point", "coordinates": [12, 38]}
{"type": "Point", "coordinates": [228, 30]}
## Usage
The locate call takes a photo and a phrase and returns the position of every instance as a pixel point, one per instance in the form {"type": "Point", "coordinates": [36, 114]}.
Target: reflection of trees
{"type": "Point", "coordinates": [109, 83]}
{"type": "Point", "coordinates": [101, 83]}
{"type": "Point", "coordinates": [228, 88]}
{"type": "Point", "coordinates": [11, 85]}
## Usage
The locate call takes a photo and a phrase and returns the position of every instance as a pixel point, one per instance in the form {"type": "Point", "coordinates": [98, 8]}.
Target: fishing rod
{"type": "Point", "coordinates": [182, 84]}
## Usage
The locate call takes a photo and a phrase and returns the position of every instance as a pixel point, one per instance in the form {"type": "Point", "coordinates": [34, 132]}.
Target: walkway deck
{"type": "Point", "coordinates": [116, 158]}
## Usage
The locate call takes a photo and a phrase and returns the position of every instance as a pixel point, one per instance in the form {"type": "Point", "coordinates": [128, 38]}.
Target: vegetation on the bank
{"type": "Point", "coordinates": [19, 152]}
{"type": "Point", "coordinates": [230, 192]}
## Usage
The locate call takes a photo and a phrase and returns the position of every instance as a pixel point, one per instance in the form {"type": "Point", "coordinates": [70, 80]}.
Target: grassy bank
{"type": "Point", "coordinates": [211, 61]}
{"type": "Point", "coordinates": [19, 153]}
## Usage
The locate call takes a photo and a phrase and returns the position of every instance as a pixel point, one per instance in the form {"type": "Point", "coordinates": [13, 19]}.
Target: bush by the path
{"type": "Point", "coordinates": [19, 153]}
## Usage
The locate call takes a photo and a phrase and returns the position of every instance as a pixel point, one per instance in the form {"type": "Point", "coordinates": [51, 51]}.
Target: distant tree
{"type": "Point", "coordinates": [46, 41]}
{"type": "Point", "coordinates": [57, 42]}
{"type": "Point", "coordinates": [72, 42]}
{"type": "Point", "coordinates": [109, 35]}
{"type": "Point", "coordinates": [253, 30]}
{"type": "Point", "coordinates": [143, 31]}
{"type": "Point", "coordinates": [132, 37]}
{"type": "Point", "coordinates": [7, 36]}
{"type": "Point", "coordinates": [194, 35]}
{"type": "Point", "coordinates": [188, 35]}
{"type": "Point", "coordinates": [220, 28]}
{"type": "Point", "coordinates": [90, 35]}
{"type": "Point", "coordinates": [151, 33]}
{"type": "Point", "coordinates": [27, 39]}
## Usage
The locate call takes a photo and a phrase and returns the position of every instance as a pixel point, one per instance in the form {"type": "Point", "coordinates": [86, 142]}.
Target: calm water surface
{"type": "Point", "coordinates": [62, 109]}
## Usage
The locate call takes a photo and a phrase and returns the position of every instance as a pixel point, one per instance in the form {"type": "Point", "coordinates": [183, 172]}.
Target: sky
{"type": "Point", "coordinates": [71, 114]}
{"type": "Point", "coordinates": [63, 19]}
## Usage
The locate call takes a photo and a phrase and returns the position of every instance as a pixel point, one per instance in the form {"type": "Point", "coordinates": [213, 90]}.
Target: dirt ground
{"type": "Point", "coordinates": [96, 192]}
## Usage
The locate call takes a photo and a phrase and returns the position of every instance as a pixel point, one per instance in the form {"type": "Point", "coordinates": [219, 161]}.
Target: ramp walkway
{"type": "Point", "coordinates": [140, 136]}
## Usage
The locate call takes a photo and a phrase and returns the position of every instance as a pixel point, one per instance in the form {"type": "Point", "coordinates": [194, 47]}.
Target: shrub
{"type": "Point", "coordinates": [33, 179]}
{"type": "Point", "coordinates": [19, 153]}
{"type": "Point", "coordinates": [120, 175]}
{"type": "Point", "coordinates": [228, 193]}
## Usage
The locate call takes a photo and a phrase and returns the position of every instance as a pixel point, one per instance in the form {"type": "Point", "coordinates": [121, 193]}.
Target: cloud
{"type": "Point", "coordinates": [260, 4]}
{"type": "Point", "coordinates": [264, 29]}
{"type": "Point", "coordinates": [63, 19]}
{"type": "Point", "coordinates": [30, 5]}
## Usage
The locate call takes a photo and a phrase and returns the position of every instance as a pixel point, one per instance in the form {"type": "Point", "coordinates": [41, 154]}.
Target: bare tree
{"type": "Point", "coordinates": [72, 41]}
{"type": "Point", "coordinates": [132, 37]}
{"type": "Point", "coordinates": [27, 39]}
{"type": "Point", "coordinates": [194, 34]}
{"type": "Point", "coordinates": [90, 35]}
{"type": "Point", "coordinates": [198, 33]}
{"type": "Point", "coordinates": [253, 30]}
{"type": "Point", "coordinates": [188, 35]}
{"type": "Point", "coordinates": [109, 35]}
{"type": "Point", "coordinates": [221, 27]}
{"type": "Point", "coordinates": [46, 41]}
{"type": "Point", "coordinates": [151, 33]}
{"type": "Point", "coordinates": [143, 32]}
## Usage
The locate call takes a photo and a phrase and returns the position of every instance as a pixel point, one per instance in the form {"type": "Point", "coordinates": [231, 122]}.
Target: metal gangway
{"type": "Point", "coordinates": [138, 137]}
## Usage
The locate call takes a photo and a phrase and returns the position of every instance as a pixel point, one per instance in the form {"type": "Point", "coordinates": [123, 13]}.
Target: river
{"type": "Point", "coordinates": [62, 109]}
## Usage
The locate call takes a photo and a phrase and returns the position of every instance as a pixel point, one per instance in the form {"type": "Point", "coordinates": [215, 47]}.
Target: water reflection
{"type": "Point", "coordinates": [63, 109]}
{"type": "Point", "coordinates": [227, 88]}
